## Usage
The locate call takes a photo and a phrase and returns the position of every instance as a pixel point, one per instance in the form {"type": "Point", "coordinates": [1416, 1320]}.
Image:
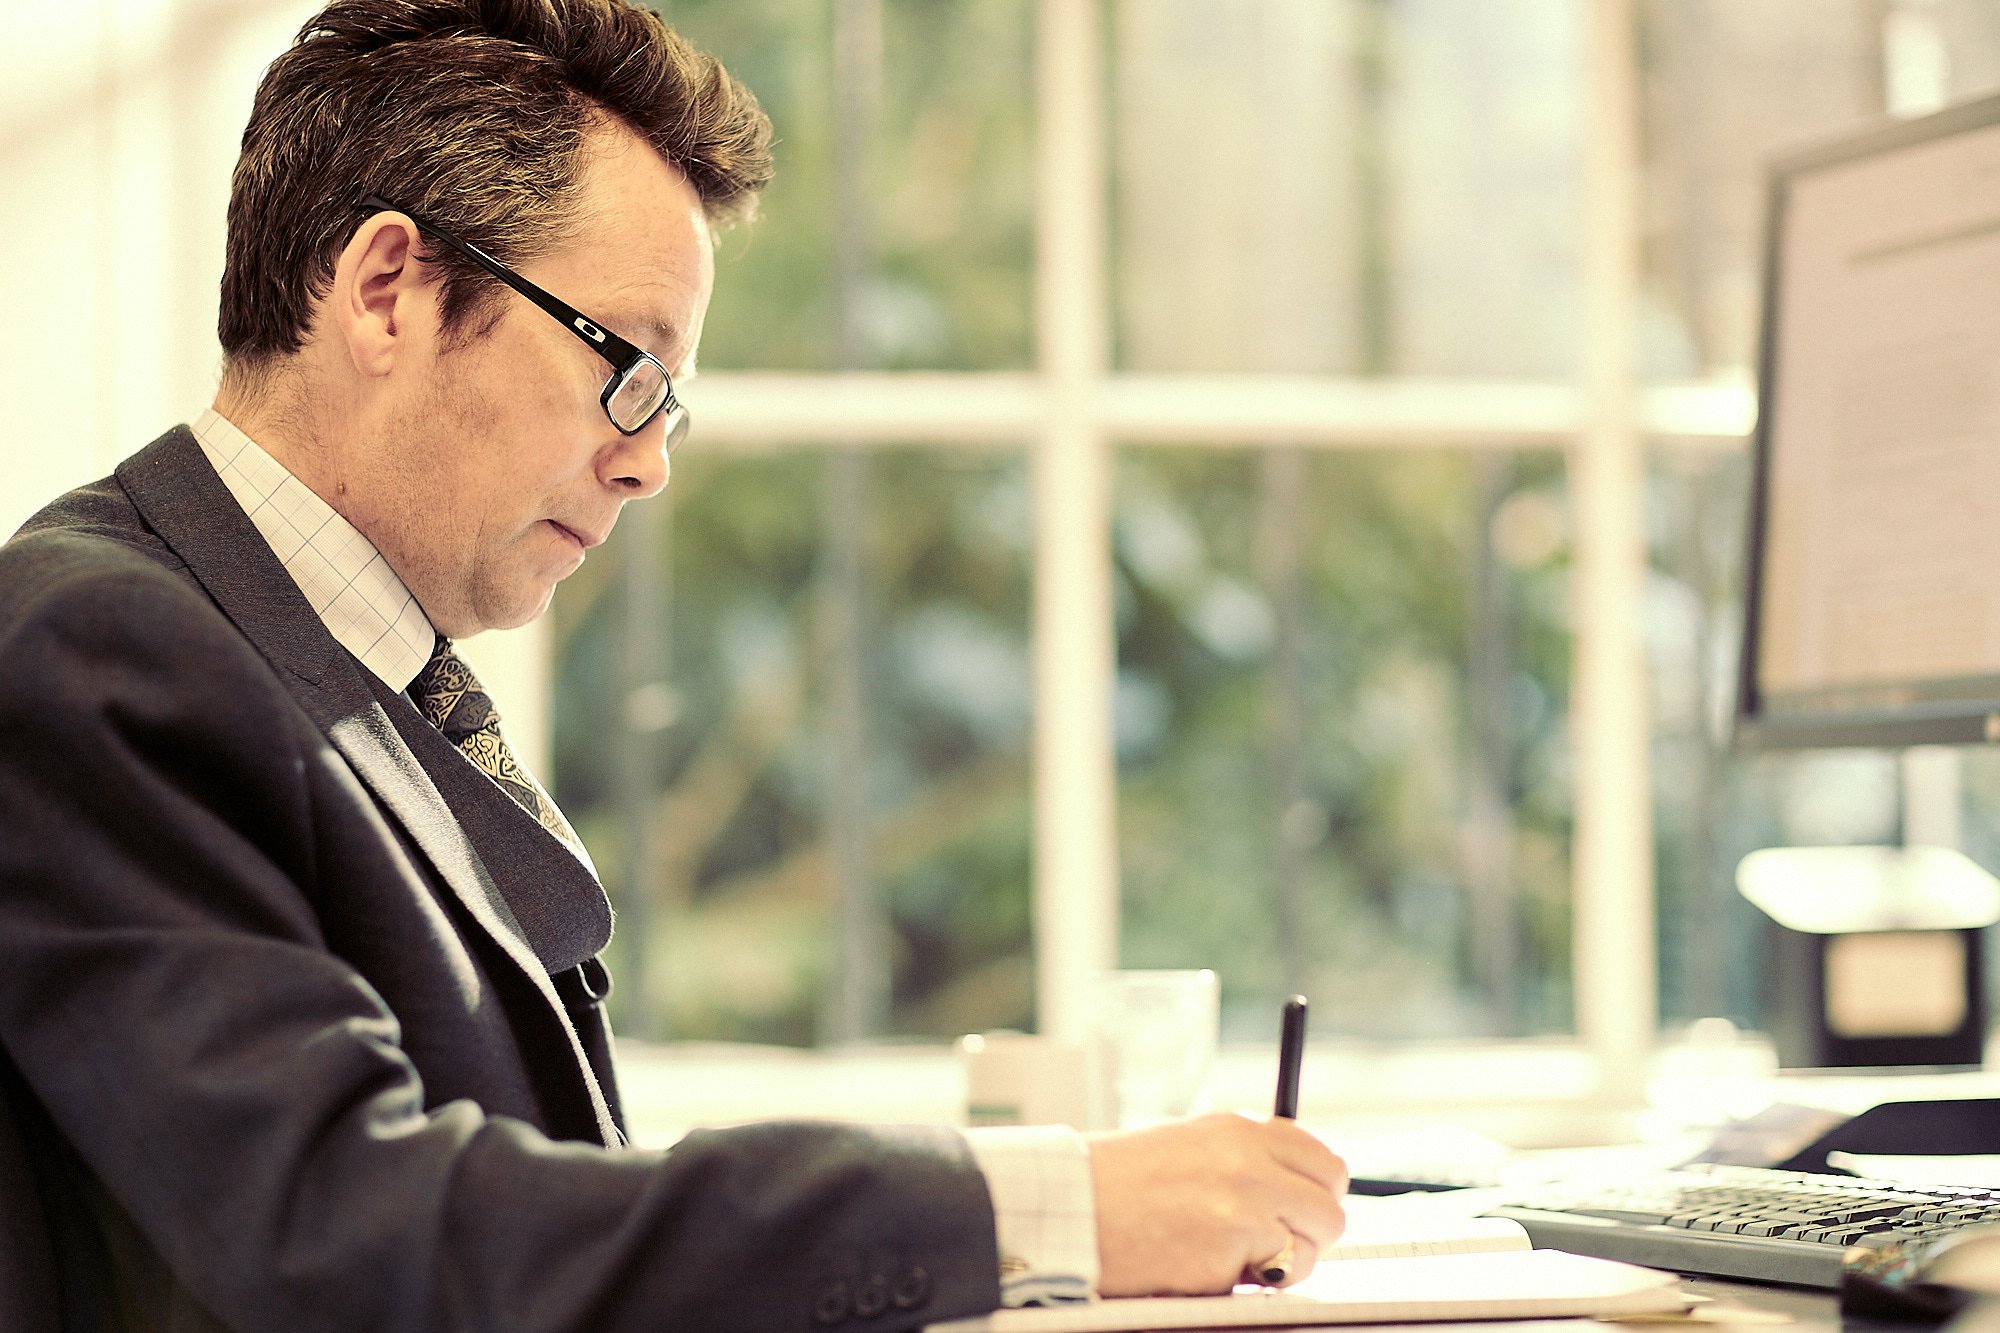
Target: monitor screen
{"type": "Point", "coordinates": [1873, 592]}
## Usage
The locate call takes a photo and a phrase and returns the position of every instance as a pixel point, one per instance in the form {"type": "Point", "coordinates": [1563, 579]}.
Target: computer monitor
{"type": "Point", "coordinates": [1873, 585]}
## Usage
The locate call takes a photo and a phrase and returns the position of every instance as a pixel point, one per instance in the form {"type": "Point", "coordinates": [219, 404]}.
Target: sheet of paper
{"type": "Point", "coordinates": [1518, 1284]}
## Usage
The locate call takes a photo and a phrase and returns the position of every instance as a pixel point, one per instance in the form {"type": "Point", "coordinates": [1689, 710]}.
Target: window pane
{"type": "Point", "coordinates": [793, 719]}
{"type": "Point", "coordinates": [908, 244]}
{"type": "Point", "coordinates": [1341, 712]}
{"type": "Point", "coordinates": [1355, 187]}
{"type": "Point", "coordinates": [1709, 807]}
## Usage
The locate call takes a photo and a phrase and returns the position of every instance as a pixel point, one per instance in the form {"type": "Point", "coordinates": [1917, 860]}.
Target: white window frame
{"type": "Point", "coordinates": [1073, 411]}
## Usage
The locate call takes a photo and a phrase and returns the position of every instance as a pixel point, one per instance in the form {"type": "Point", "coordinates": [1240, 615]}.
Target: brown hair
{"type": "Point", "coordinates": [473, 114]}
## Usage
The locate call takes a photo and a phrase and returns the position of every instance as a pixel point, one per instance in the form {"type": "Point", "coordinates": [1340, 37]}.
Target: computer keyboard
{"type": "Point", "coordinates": [1742, 1222]}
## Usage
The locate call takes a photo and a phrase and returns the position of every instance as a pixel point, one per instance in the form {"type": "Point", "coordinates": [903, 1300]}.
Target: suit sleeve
{"type": "Point", "coordinates": [241, 1093]}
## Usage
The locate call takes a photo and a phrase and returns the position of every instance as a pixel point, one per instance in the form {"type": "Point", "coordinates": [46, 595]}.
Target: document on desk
{"type": "Point", "coordinates": [1492, 1284]}
{"type": "Point", "coordinates": [1401, 1225]}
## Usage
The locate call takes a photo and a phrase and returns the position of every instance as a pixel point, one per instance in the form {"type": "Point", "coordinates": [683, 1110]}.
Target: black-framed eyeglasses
{"type": "Point", "coordinates": [639, 388]}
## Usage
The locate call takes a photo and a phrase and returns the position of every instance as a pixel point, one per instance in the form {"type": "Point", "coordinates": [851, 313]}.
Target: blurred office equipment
{"type": "Point", "coordinates": [1873, 598]}
{"type": "Point", "coordinates": [1872, 619]}
{"type": "Point", "coordinates": [1877, 953]}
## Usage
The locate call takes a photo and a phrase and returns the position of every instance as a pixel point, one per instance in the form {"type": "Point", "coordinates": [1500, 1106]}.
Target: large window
{"type": "Point", "coordinates": [1256, 483]}
{"type": "Point", "coordinates": [1189, 482]}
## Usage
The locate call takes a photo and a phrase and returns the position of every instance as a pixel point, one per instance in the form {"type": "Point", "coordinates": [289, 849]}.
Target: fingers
{"type": "Point", "coordinates": [1199, 1205]}
{"type": "Point", "coordinates": [1280, 1267]}
{"type": "Point", "coordinates": [1308, 1195]}
{"type": "Point", "coordinates": [1297, 1183]}
{"type": "Point", "coordinates": [1315, 1220]}
{"type": "Point", "coordinates": [1303, 1152]}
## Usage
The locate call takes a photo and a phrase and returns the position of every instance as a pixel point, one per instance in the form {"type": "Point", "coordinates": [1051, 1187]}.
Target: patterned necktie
{"type": "Point", "coordinates": [448, 695]}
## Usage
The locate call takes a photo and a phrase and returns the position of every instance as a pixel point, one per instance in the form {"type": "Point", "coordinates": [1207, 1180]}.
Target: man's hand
{"type": "Point", "coordinates": [1188, 1208]}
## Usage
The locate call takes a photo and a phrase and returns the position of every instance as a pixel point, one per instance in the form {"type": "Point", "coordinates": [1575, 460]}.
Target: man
{"type": "Point", "coordinates": [299, 991]}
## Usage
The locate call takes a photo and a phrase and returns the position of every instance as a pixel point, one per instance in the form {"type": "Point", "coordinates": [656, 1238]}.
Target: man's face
{"type": "Point", "coordinates": [499, 468]}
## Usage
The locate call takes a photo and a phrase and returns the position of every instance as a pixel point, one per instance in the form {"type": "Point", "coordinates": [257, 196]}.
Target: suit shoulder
{"type": "Point", "coordinates": [92, 529]}
{"type": "Point", "coordinates": [105, 650]}
{"type": "Point", "coordinates": [97, 595]}
{"type": "Point", "coordinates": [101, 509]}
{"type": "Point", "coordinates": [49, 568]}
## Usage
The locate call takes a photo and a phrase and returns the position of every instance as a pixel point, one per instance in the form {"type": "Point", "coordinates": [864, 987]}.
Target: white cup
{"type": "Point", "coordinates": [1013, 1078]}
{"type": "Point", "coordinates": [1156, 1031]}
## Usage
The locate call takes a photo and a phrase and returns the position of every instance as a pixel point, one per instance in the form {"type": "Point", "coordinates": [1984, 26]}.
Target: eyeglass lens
{"type": "Point", "coordinates": [638, 395]}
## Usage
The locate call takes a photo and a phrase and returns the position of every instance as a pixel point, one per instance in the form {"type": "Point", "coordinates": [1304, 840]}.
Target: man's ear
{"type": "Point", "coordinates": [380, 305]}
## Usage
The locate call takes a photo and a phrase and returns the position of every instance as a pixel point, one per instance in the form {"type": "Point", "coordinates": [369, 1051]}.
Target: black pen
{"type": "Point", "coordinates": [1291, 1054]}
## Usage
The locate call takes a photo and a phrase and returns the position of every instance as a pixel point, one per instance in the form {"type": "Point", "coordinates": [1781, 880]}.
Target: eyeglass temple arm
{"type": "Point", "coordinates": [608, 344]}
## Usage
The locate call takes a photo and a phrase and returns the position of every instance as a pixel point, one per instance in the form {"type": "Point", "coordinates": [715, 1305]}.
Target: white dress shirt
{"type": "Point", "coordinates": [362, 602]}
{"type": "Point", "coordinates": [1044, 1206]}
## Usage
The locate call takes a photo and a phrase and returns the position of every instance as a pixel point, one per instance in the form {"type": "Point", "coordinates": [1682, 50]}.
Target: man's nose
{"type": "Point", "coordinates": [636, 466]}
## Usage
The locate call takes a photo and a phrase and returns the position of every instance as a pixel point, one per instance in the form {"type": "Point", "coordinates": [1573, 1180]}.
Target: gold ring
{"type": "Point", "coordinates": [1278, 1267]}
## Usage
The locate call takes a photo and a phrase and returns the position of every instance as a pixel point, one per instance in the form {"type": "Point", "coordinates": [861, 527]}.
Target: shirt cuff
{"type": "Point", "coordinates": [1044, 1211]}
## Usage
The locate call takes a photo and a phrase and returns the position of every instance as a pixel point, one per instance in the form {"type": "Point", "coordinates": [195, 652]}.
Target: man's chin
{"type": "Point", "coordinates": [525, 615]}
{"type": "Point", "coordinates": [510, 612]}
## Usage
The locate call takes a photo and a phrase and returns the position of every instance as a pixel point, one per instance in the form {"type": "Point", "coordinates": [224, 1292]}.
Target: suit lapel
{"type": "Point", "coordinates": [558, 904]}
{"type": "Point", "coordinates": [181, 498]}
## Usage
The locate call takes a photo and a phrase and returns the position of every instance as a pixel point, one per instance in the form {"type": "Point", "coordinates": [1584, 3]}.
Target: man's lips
{"type": "Point", "coordinates": [580, 536]}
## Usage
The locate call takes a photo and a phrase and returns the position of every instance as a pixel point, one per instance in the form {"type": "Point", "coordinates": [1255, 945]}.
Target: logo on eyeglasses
{"type": "Point", "coordinates": [590, 330]}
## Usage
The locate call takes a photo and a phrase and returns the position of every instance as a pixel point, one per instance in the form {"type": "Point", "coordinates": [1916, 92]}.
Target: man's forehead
{"type": "Point", "coordinates": [639, 243]}
{"type": "Point", "coordinates": [643, 219]}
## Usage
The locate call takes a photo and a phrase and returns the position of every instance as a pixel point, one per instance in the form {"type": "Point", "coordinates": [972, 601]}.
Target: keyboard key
{"type": "Point", "coordinates": [1693, 1221]}
{"type": "Point", "coordinates": [1876, 1240]}
{"type": "Point", "coordinates": [1822, 1235]}
{"type": "Point", "coordinates": [1860, 1214]}
{"type": "Point", "coordinates": [1773, 1224]}
{"type": "Point", "coordinates": [1634, 1216]}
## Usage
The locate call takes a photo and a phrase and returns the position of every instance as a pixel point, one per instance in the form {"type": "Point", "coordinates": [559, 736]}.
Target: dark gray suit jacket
{"type": "Point", "coordinates": [290, 1034]}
